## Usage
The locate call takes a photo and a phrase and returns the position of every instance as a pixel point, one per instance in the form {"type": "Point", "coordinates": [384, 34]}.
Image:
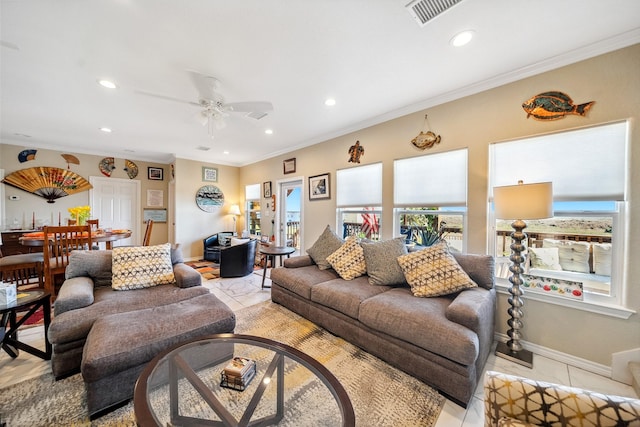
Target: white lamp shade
{"type": "Point", "coordinates": [234, 210]}
{"type": "Point", "coordinates": [524, 201]}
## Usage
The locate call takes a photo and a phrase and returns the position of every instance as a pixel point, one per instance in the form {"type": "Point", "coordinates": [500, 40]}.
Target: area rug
{"type": "Point", "coordinates": [381, 395]}
{"type": "Point", "coordinates": [209, 270]}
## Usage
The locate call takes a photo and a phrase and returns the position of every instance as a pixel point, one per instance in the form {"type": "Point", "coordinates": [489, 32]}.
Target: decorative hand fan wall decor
{"type": "Point", "coordinates": [48, 182]}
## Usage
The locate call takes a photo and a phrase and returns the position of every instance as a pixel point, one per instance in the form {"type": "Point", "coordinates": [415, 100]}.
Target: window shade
{"type": "Point", "coordinates": [434, 180]}
{"type": "Point", "coordinates": [252, 192]}
{"type": "Point", "coordinates": [584, 164]}
{"type": "Point", "coordinates": [359, 186]}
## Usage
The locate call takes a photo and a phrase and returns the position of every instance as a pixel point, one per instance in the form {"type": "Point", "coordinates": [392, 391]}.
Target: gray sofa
{"type": "Point", "coordinates": [110, 335]}
{"type": "Point", "coordinates": [443, 341]}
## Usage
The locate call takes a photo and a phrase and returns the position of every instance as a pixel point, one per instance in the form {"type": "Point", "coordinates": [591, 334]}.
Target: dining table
{"type": "Point", "coordinates": [37, 238]}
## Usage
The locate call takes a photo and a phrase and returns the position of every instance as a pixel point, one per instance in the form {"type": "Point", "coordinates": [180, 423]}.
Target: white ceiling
{"type": "Point", "coordinates": [370, 55]}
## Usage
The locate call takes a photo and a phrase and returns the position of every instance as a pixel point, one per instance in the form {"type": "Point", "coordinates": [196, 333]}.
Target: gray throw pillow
{"type": "Point", "coordinates": [327, 243]}
{"type": "Point", "coordinates": [382, 261]}
{"type": "Point", "coordinates": [93, 264]}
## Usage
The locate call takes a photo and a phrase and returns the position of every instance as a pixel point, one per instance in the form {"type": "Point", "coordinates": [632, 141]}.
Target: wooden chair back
{"type": "Point", "coordinates": [25, 270]}
{"type": "Point", "coordinates": [92, 222]}
{"type": "Point", "coordinates": [147, 233]}
{"type": "Point", "coordinates": [61, 241]}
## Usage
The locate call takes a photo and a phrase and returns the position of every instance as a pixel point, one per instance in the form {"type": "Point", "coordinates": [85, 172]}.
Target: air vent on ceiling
{"type": "Point", "coordinates": [257, 115]}
{"type": "Point", "coordinates": [203, 148]}
{"type": "Point", "coordinates": [425, 10]}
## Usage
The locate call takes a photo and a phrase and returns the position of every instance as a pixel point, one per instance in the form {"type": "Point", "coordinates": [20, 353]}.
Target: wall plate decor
{"type": "Point", "coordinates": [70, 159]}
{"type": "Point", "coordinates": [155, 174]}
{"type": "Point", "coordinates": [289, 166]}
{"type": "Point", "coordinates": [107, 165]}
{"type": "Point", "coordinates": [209, 198]}
{"type": "Point", "coordinates": [554, 106]}
{"type": "Point", "coordinates": [50, 183]}
{"type": "Point", "coordinates": [209, 174]}
{"type": "Point", "coordinates": [426, 138]}
{"type": "Point", "coordinates": [319, 187]}
{"type": "Point", "coordinates": [131, 169]}
{"type": "Point", "coordinates": [355, 151]}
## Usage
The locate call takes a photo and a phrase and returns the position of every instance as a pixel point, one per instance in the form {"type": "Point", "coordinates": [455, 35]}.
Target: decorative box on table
{"type": "Point", "coordinates": [8, 293]}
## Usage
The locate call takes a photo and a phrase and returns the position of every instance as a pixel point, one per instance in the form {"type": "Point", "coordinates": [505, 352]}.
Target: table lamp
{"type": "Point", "coordinates": [235, 211]}
{"type": "Point", "coordinates": [519, 202]}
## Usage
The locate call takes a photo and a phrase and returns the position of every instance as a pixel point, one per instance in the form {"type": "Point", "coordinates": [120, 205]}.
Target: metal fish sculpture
{"type": "Point", "coordinates": [554, 106]}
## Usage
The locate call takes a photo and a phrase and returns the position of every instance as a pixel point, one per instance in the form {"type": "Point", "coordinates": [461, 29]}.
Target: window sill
{"type": "Point", "coordinates": [502, 286]}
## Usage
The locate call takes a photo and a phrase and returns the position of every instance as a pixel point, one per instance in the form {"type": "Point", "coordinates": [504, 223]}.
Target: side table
{"type": "Point", "coordinates": [9, 325]}
{"type": "Point", "coordinates": [271, 253]}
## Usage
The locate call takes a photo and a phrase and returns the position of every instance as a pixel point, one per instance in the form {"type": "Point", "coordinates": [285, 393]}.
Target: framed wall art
{"type": "Point", "coordinates": [319, 187]}
{"type": "Point", "coordinates": [289, 165]}
{"type": "Point", "coordinates": [209, 174]}
{"type": "Point", "coordinates": [155, 174]}
{"type": "Point", "coordinates": [266, 189]}
{"type": "Point", "coordinates": [157, 215]}
{"type": "Point", "coordinates": [209, 198]}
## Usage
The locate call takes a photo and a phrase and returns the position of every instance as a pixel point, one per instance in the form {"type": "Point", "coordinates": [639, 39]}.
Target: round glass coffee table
{"type": "Point", "coordinates": [186, 385]}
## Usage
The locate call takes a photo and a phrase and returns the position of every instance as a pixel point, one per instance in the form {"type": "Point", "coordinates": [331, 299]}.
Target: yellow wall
{"type": "Point", "coordinates": [474, 122]}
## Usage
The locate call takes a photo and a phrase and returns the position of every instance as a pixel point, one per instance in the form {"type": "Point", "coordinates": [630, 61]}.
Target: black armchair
{"type": "Point", "coordinates": [238, 260]}
{"type": "Point", "coordinates": [214, 243]}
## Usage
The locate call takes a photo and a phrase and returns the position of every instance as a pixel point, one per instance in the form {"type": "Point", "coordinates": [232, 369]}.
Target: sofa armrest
{"type": "Point", "coordinates": [186, 276]}
{"type": "Point", "coordinates": [74, 293]}
{"type": "Point", "coordinates": [473, 308]}
{"type": "Point", "coordinates": [298, 261]}
{"type": "Point", "coordinates": [519, 398]}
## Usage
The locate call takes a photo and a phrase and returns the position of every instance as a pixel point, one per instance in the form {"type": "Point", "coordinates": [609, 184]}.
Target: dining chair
{"type": "Point", "coordinates": [72, 222]}
{"type": "Point", "coordinates": [25, 270]}
{"type": "Point", "coordinates": [57, 249]}
{"type": "Point", "coordinates": [147, 233]}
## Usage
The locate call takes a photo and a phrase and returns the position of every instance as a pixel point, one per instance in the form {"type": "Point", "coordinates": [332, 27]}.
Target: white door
{"type": "Point", "coordinates": [116, 203]}
{"type": "Point", "coordinates": [290, 197]}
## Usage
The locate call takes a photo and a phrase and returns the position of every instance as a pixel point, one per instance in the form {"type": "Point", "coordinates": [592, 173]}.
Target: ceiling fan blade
{"type": "Point", "coordinates": [249, 107]}
{"type": "Point", "coordinates": [219, 122]}
{"type": "Point", "coordinates": [168, 98]}
{"type": "Point", "coordinates": [205, 85]}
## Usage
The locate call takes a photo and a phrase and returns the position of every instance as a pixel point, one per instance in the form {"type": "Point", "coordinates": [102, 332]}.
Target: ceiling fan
{"type": "Point", "coordinates": [214, 109]}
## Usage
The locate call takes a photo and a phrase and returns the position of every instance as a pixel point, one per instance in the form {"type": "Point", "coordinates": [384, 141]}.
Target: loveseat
{"type": "Point", "coordinates": [114, 313]}
{"type": "Point", "coordinates": [443, 340]}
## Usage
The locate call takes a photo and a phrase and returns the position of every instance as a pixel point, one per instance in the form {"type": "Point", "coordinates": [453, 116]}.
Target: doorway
{"type": "Point", "coordinates": [116, 203]}
{"type": "Point", "coordinates": [290, 215]}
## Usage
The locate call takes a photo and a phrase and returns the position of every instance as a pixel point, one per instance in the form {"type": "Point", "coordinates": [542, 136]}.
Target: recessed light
{"type": "Point", "coordinates": [105, 130]}
{"type": "Point", "coordinates": [330, 102]}
{"type": "Point", "coordinates": [269, 131]}
{"type": "Point", "coordinates": [107, 83]}
{"type": "Point", "coordinates": [462, 38]}
{"type": "Point", "coordinates": [225, 152]}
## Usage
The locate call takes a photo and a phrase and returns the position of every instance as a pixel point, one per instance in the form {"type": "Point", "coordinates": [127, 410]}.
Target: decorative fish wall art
{"type": "Point", "coordinates": [554, 106]}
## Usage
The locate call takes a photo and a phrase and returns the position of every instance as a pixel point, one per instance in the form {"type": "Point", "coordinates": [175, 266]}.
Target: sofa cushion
{"type": "Point", "coordinates": [327, 243]}
{"type": "Point", "coordinates": [574, 256]}
{"type": "Point", "coordinates": [421, 322]}
{"type": "Point", "coordinates": [381, 260]}
{"type": "Point", "coordinates": [137, 267]}
{"type": "Point", "coordinates": [93, 264]}
{"type": "Point", "coordinates": [545, 258]}
{"type": "Point", "coordinates": [480, 268]}
{"type": "Point", "coordinates": [512, 422]}
{"type": "Point", "coordinates": [76, 293]}
{"type": "Point", "coordinates": [433, 271]}
{"type": "Point", "coordinates": [345, 298]}
{"type": "Point", "coordinates": [348, 260]}
{"type": "Point", "coordinates": [301, 280]}
{"type": "Point", "coordinates": [602, 258]}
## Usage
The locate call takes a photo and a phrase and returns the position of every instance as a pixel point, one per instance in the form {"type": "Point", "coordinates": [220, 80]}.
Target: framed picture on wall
{"type": "Point", "coordinates": [155, 174]}
{"type": "Point", "coordinates": [289, 165]}
{"type": "Point", "coordinates": [266, 189]}
{"type": "Point", "coordinates": [209, 174]}
{"type": "Point", "coordinates": [319, 187]}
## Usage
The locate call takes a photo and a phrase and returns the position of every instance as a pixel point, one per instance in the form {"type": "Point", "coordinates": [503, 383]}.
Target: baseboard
{"type": "Point", "coordinates": [569, 359]}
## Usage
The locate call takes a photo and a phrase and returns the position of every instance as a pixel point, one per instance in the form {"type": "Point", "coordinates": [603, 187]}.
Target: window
{"type": "Point", "coordinates": [359, 201]}
{"type": "Point", "coordinates": [252, 210]}
{"type": "Point", "coordinates": [588, 169]}
{"type": "Point", "coordinates": [430, 197]}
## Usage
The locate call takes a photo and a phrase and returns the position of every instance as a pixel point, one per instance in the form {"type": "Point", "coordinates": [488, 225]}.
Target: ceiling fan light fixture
{"type": "Point", "coordinates": [107, 83]}
{"type": "Point", "coordinates": [462, 38]}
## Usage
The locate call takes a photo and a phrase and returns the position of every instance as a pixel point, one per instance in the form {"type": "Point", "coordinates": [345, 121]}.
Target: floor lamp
{"type": "Point", "coordinates": [519, 202]}
{"type": "Point", "coordinates": [235, 211]}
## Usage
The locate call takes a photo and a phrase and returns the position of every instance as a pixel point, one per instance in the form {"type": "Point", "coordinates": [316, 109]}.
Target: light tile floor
{"type": "Point", "coordinates": [242, 292]}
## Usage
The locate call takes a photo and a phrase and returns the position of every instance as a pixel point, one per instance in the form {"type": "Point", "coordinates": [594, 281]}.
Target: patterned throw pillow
{"type": "Point", "coordinates": [381, 259]}
{"type": "Point", "coordinates": [137, 267]}
{"type": "Point", "coordinates": [433, 271]}
{"type": "Point", "coordinates": [327, 243]}
{"type": "Point", "coordinates": [348, 260]}
{"type": "Point", "coordinates": [545, 258]}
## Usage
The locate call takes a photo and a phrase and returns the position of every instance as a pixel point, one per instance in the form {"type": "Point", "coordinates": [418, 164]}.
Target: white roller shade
{"type": "Point", "coordinates": [584, 164]}
{"type": "Point", "coordinates": [360, 186]}
{"type": "Point", "coordinates": [432, 180]}
{"type": "Point", "coordinates": [252, 192]}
